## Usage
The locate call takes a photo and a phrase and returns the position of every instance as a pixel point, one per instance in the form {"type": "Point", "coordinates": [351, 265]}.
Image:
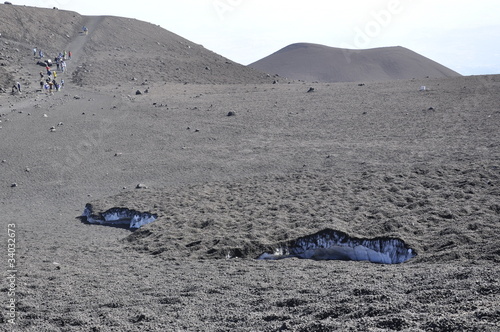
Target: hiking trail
{"type": "Point", "coordinates": [77, 45]}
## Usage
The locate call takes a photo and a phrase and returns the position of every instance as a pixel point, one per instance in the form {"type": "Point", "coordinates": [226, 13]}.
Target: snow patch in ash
{"type": "Point", "coordinates": [118, 217]}
{"type": "Point", "coordinates": [336, 245]}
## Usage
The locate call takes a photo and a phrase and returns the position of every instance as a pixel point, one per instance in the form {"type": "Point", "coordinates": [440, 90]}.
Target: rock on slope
{"type": "Point", "coordinates": [313, 62]}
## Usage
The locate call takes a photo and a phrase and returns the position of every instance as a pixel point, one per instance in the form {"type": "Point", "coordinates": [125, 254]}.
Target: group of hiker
{"type": "Point", "coordinates": [62, 55]}
{"type": "Point", "coordinates": [50, 83]}
{"type": "Point", "coordinates": [61, 60]}
{"type": "Point", "coordinates": [48, 80]}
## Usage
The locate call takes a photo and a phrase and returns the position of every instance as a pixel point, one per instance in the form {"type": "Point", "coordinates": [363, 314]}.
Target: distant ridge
{"type": "Point", "coordinates": [314, 62]}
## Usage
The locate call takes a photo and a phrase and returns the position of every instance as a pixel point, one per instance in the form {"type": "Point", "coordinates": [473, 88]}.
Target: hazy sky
{"type": "Point", "coordinates": [460, 34]}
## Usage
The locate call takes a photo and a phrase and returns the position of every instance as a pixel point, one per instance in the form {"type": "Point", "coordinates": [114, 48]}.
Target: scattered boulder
{"type": "Point", "coordinates": [141, 186]}
{"type": "Point", "coordinates": [231, 113]}
{"type": "Point", "coordinates": [311, 89]}
{"type": "Point", "coordinates": [138, 92]}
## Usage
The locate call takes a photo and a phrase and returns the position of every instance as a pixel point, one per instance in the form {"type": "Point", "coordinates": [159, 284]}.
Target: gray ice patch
{"type": "Point", "coordinates": [335, 245]}
{"type": "Point", "coordinates": [118, 217]}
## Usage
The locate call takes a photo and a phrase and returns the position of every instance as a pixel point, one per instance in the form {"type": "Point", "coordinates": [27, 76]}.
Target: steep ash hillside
{"type": "Point", "coordinates": [115, 49]}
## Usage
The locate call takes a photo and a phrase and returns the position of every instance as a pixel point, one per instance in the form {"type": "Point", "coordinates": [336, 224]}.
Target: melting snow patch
{"type": "Point", "coordinates": [331, 244]}
{"type": "Point", "coordinates": [119, 217]}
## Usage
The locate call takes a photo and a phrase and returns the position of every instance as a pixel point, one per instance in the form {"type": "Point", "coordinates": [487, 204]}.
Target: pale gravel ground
{"type": "Point", "coordinates": [282, 142]}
